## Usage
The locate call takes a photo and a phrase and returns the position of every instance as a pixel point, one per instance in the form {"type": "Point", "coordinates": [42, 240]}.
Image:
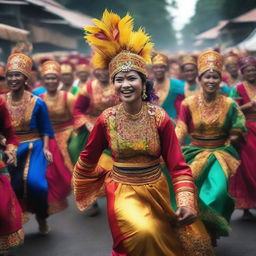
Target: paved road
{"type": "Point", "coordinates": [75, 234]}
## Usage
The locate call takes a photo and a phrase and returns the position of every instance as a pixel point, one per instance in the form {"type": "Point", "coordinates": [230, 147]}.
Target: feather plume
{"type": "Point", "coordinates": [111, 35]}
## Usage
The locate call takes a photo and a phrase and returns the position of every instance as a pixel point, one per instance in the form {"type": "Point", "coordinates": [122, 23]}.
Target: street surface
{"type": "Point", "coordinates": [75, 234]}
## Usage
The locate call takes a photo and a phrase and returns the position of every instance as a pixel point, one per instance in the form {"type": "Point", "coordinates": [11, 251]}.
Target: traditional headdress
{"type": "Point", "coordinates": [83, 65]}
{"type": "Point", "coordinates": [246, 61]}
{"type": "Point", "coordinates": [209, 60]}
{"type": "Point", "coordinates": [231, 59]}
{"type": "Point", "coordinates": [66, 68]}
{"type": "Point", "coordinates": [116, 46]}
{"type": "Point", "coordinates": [188, 60]}
{"type": "Point", "coordinates": [50, 67]}
{"type": "Point", "coordinates": [19, 62]}
{"type": "Point", "coordinates": [159, 58]}
{"type": "Point", "coordinates": [24, 47]}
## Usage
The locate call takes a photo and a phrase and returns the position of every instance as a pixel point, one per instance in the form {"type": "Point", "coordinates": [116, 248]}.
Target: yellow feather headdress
{"type": "Point", "coordinates": [116, 46]}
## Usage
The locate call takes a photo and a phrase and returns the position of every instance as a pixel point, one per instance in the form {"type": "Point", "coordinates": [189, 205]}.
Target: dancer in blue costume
{"type": "Point", "coordinates": [31, 123]}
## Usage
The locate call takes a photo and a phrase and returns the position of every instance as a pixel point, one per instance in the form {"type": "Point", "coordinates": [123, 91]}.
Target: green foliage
{"type": "Point", "coordinates": [150, 14]}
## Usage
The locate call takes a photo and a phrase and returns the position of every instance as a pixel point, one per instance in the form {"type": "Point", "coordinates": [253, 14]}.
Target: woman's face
{"type": "Point", "coordinates": [102, 74]}
{"type": "Point", "coordinates": [190, 72]}
{"type": "Point", "coordinates": [210, 82]}
{"type": "Point", "coordinates": [159, 71]}
{"type": "Point", "coordinates": [15, 80]}
{"type": "Point", "coordinates": [128, 86]}
{"type": "Point", "coordinates": [51, 82]}
{"type": "Point", "coordinates": [67, 78]}
{"type": "Point", "coordinates": [249, 74]}
{"type": "Point", "coordinates": [83, 75]}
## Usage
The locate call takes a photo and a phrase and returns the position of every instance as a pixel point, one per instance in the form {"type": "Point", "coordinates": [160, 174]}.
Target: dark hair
{"type": "Point", "coordinates": [150, 91]}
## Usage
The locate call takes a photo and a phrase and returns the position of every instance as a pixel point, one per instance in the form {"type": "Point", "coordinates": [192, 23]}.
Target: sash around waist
{"type": "Point", "coordinates": [210, 142]}
{"type": "Point", "coordinates": [61, 126]}
{"type": "Point", "coordinates": [28, 136]}
{"type": "Point", "coordinates": [136, 173]}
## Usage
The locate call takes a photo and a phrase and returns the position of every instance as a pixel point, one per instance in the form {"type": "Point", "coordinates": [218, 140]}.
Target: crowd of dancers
{"type": "Point", "coordinates": [170, 141]}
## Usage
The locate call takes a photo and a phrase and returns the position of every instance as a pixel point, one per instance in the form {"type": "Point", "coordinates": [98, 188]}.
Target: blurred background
{"type": "Point", "coordinates": [175, 25]}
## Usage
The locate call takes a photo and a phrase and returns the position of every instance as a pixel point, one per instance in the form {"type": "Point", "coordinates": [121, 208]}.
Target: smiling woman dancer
{"type": "Point", "coordinates": [243, 184]}
{"type": "Point", "coordinates": [31, 123]}
{"type": "Point", "coordinates": [137, 133]}
{"type": "Point", "coordinates": [215, 123]}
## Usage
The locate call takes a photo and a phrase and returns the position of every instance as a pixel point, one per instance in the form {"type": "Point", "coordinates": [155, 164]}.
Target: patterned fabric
{"type": "Point", "coordinates": [29, 176]}
{"type": "Point", "coordinates": [209, 60]}
{"type": "Point", "coordinates": [243, 184]}
{"type": "Point", "coordinates": [136, 143]}
{"type": "Point", "coordinates": [11, 233]}
{"type": "Point", "coordinates": [211, 157]}
{"type": "Point", "coordinates": [19, 62]}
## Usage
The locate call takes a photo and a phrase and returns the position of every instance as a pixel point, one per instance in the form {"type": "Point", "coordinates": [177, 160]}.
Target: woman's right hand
{"type": "Point", "coordinates": [11, 157]}
{"type": "Point", "coordinates": [48, 155]}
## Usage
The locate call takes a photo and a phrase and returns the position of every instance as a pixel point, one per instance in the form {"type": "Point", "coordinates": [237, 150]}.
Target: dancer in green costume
{"type": "Point", "coordinates": [216, 125]}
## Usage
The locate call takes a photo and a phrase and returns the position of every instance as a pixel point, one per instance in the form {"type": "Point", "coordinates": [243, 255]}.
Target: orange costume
{"type": "Point", "coordinates": [60, 107]}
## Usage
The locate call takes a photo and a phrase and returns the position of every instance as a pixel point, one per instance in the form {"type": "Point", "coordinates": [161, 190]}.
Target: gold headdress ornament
{"type": "Point", "coordinates": [83, 66]}
{"type": "Point", "coordinates": [188, 60]}
{"type": "Point", "coordinates": [19, 62]}
{"type": "Point", "coordinates": [231, 59]}
{"type": "Point", "coordinates": [159, 58]}
{"type": "Point", "coordinates": [209, 60]}
{"type": "Point", "coordinates": [116, 46]}
{"type": "Point", "coordinates": [66, 68]}
{"type": "Point", "coordinates": [50, 67]}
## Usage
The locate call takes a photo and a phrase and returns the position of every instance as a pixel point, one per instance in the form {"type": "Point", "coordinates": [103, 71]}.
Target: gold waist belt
{"type": "Point", "coordinates": [23, 137]}
{"type": "Point", "coordinates": [59, 127]}
{"type": "Point", "coordinates": [208, 142]}
{"type": "Point", "coordinates": [136, 173]}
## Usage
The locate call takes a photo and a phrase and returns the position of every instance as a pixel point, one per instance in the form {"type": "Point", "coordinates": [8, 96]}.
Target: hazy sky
{"type": "Point", "coordinates": [182, 14]}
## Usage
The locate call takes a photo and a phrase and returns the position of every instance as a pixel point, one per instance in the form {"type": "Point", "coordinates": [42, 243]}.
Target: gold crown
{"type": "Point", "coordinates": [19, 62]}
{"type": "Point", "coordinates": [159, 58]}
{"type": "Point", "coordinates": [50, 67]}
{"type": "Point", "coordinates": [232, 59]}
{"type": "Point", "coordinates": [66, 68]}
{"type": "Point", "coordinates": [83, 67]}
{"type": "Point", "coordinates": [209, 60]}
{"type": "Point", "coordinates": [126, 61]}
{"type": "Point", "coordinates": [188, 60]}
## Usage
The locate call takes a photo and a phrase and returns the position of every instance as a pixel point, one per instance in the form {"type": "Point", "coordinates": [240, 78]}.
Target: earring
{"type": "Point", "coordinates": [144, 94]}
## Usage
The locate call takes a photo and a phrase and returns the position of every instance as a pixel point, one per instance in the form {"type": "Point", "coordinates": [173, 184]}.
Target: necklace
{"type": "Point", "coordinates": [17, 109]}
{"type": "Point", "coordinates": [210, 112]}
{"type": "Point", "coordinates": [133, 116]}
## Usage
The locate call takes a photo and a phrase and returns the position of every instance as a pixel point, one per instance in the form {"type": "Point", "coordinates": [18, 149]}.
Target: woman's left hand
{"type": "Point", "coordinates": [48, 155]}
{"type": "Point", "coordinates": [186, 215]}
